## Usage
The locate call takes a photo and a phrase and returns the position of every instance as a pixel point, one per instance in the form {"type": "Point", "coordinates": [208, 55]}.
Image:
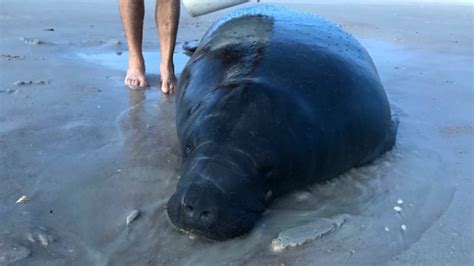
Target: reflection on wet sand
{"type": "Point", "coordinates": [149, 131]}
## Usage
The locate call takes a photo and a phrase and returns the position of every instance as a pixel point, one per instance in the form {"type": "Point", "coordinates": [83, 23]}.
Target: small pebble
{"type": "Point", "coordinates": [23, 199]}
{"type": "Point", "coordinates": [404, 227]}
{"type": "Point", "coordinates": [22, 83]}
{"type": "Point", "coordinates": [397, 208]}
{"type": "Point", "coordinates": [43, 239]}
{"type": "Point", "coordinates": [42, 82]}
{"type": "Point", "coordinates": [12, 57]}
{"type": "Point", "coordinates": [49, 29]}
{"type": "Point", "coordinates": [30, 238]}
{"type": "Point", "coordinates": [399, 201]}
{"type": "Point", "coordinates": [387, 229]}
{"type": "Point", "coordinates": [119, 170]}
{"type": "Point", "coordinates": [32, 41]}
{"type": "Point", "coordinates": [192, 237]}
{"type": "Point", "coordinates": [30, 82]}
{"type": "Point", "coordinates": [132, 216]}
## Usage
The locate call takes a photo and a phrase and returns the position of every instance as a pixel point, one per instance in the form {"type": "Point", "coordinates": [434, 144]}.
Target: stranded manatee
{"type": "Point", "coordinates": [271, 101]}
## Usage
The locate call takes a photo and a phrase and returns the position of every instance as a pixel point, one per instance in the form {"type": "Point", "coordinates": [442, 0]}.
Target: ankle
{"type": "Point", "coordinates": [136, 62]}
{"type": "Point", "coordinates": [167, 66]}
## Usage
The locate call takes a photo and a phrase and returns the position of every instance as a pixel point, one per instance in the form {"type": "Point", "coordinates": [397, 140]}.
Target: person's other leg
{"type": "Point", "coordinates": [167, 19]}
{"type": "Point", "coordinates": [132, 13]}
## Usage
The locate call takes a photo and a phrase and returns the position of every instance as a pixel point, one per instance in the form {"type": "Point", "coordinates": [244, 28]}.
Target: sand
{"type": "Point", "coordinates": [86, 152]}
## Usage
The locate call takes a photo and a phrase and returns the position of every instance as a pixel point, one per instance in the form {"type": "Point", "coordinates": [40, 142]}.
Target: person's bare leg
{"type": "Point", "coordinates": [132, 13]}
{"type": "Point", "coordinates": [167, 19]}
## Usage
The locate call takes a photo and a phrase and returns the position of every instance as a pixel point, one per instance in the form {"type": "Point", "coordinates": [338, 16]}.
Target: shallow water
{"type": "Point", "coordinates": [97, 174]}
{"type": "Point", "coordinates": [366, 195]}
{"type": "Point", "coordinates": [119, 60]}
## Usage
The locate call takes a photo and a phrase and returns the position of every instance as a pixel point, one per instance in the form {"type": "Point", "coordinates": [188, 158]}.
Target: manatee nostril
{"type": "Point", "coordinates": [205, 215]}
{"type": "Point", "coordinates": [189, 209]}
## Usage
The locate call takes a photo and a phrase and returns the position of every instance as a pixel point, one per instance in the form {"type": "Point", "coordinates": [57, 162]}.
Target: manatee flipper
{"type": "Point", "coordinates": [388, 144]}
{"type": "Point", "coordinates": [190, 47]}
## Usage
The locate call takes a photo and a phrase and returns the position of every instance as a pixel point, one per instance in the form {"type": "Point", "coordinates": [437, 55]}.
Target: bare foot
{"type": "Point", "coordinates": [135, 78]}
{"type": "Point", "coordinates": [168, 79]}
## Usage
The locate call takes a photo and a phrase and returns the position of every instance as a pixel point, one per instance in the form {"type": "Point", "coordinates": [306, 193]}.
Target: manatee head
{"type": "Point", "coordinates": [221, 193]}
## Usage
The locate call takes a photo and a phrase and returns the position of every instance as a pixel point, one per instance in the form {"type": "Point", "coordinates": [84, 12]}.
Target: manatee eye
{"type": "Point", "coordinates": [187, 151]}
{"type": "Point", "coordinates": [267, 172]}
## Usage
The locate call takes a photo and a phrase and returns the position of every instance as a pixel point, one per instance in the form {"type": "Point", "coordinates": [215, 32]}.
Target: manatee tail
{"type": "Point", "coordinates": [388, 144]}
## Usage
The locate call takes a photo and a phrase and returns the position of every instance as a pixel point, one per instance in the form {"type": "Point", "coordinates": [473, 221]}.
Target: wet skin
{"type": "Point", "coordinates": [271, 101]}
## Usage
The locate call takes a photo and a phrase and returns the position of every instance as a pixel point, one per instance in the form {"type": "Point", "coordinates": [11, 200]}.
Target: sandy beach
{"type": "Point", "coordinates": [86, 152]}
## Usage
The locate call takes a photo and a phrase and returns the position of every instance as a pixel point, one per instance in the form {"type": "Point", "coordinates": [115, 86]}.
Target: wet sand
{"type": "Point", "coordinates": [87, 152]}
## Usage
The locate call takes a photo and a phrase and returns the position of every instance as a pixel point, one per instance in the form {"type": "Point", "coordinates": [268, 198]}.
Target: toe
{"type": "Point", "coordinates": [165, 88]}
{"type": "Point", "coordinates": [143, 83]}
{"type": "Point", "coordinates": [172, 85]}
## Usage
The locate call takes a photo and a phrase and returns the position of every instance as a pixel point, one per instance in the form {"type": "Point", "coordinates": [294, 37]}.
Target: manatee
{"type": "Point", "coordinates": [272, 100]}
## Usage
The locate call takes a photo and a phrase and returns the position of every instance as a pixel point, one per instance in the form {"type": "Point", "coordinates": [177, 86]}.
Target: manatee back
{"type": "Point", "coordinates": [276, 25]}
{"type": "Point", "coordinates": [321, 84]}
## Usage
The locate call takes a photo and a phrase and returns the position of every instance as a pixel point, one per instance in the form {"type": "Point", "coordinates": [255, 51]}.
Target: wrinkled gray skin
{"type": "Point", "coordinates": [272, 100]}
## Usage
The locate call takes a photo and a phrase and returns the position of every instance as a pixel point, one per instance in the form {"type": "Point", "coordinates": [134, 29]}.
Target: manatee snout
{"type": "Point", "coordinates": [196, 207]}
{"type": "Point", "coordinates": [216, 207]}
